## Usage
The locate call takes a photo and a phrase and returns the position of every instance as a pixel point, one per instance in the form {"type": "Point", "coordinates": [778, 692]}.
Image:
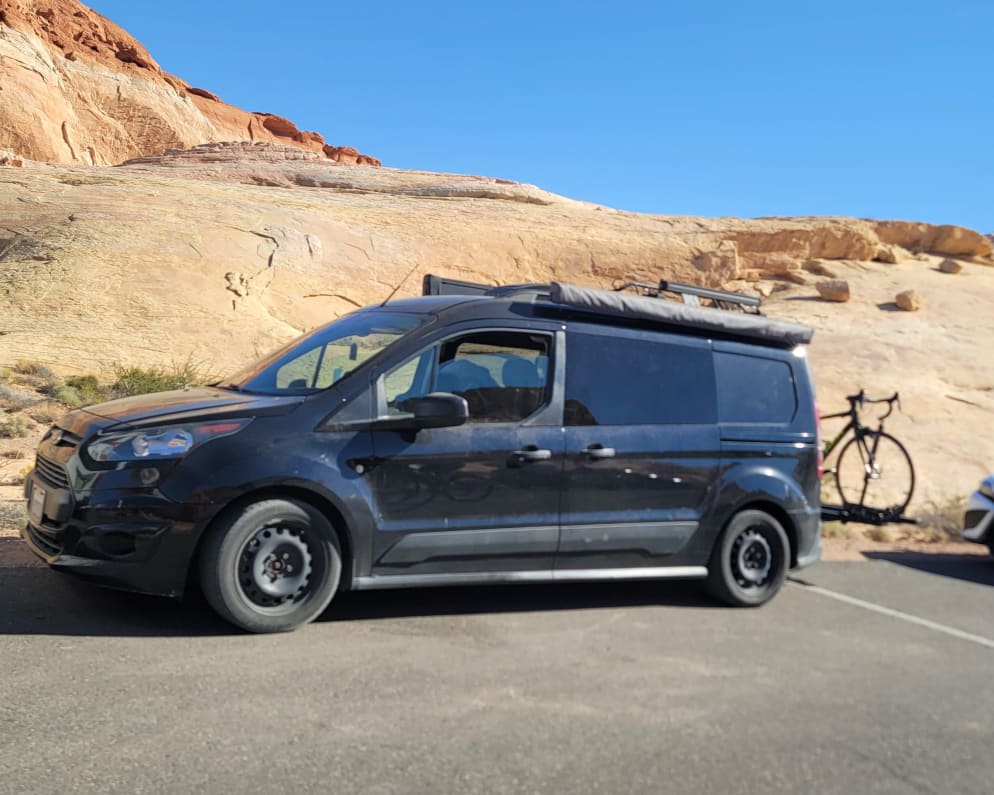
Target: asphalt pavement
{"type": "Point", "coordinates": [868, 677]}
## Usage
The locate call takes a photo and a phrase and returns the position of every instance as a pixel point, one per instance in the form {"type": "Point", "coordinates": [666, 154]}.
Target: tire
{"type": "Point", "coordinates": [888, 488]}
{"type": "Point", "coordinates": [271, 566]}
{"type": "Point", "coordinates": [750, 560]}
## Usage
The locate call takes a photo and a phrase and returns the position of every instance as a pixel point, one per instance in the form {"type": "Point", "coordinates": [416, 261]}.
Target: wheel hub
{"type": "Point", "coordinates": [275, 566]}
{"type": "Point", "coordinates": [752, 557]}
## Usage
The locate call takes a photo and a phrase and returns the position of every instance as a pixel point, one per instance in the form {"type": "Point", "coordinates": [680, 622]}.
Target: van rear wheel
{"type": "Point", "coordinates": [271, 566]}
{"type": "Point", "coordinates": [750, 560]}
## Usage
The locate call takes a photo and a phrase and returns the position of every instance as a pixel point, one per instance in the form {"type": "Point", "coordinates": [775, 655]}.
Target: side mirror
{"type": "Point", "coordinates": [436, 410]}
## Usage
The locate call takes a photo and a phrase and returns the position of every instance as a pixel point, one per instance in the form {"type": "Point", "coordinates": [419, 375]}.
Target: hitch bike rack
{"type": "Point", "coordinates": [864, 515]}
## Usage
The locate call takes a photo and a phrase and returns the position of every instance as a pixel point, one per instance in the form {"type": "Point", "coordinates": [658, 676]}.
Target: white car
{"type": "Point", "coordinates": [978, 523]}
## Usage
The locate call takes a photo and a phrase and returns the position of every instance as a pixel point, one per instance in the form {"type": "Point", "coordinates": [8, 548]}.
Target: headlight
{"type": "Point", "coordinates": [987, 488]}
{"type": "Point", "coordinates": [152, 444]}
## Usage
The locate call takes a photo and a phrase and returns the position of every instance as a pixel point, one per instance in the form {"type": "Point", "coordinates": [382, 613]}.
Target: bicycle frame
{"type": "Point", "coordinates": [858, 428]}
{"type": "Point", "coordinates": [852, 424]}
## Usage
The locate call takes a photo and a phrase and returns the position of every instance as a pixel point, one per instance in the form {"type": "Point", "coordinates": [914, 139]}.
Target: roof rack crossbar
{"type": "Point", "coordinates": [440, 285]}
{"type": "Point", "coordinates": [691, 294]}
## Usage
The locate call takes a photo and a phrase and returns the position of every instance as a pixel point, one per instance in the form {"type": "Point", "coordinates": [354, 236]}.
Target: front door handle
{"type": "Point", "coordinates": [529, 454]}
{"type": "Point", "coordinates": [596, 452]}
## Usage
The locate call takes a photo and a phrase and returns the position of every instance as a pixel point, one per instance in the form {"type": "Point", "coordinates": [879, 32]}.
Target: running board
{"type": "Point", "coordinates": [862, 515]}
{"type": "Point", "coordinates": [499, 577]}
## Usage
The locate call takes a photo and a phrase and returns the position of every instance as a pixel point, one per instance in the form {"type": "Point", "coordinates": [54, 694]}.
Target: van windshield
{"type": "Point", "coordinates": [317, 360]}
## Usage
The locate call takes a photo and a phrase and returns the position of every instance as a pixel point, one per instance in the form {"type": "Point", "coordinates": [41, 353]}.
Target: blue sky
{"type": "Point", "coordinates": [874, 108]}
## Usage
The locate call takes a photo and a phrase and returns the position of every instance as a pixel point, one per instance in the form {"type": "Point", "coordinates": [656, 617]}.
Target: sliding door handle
{"type": "Point", "coordinates": [595, 452]}
{"type": "Point", "coordinates": [529, 454]}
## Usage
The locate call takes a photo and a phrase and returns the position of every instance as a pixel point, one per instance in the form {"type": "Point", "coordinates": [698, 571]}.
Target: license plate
{"type": "Point", "coordinates": [36, 504]}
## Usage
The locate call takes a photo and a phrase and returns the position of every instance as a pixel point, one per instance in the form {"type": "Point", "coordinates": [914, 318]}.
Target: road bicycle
{"type": "Point", "coordinates": [873, 471]}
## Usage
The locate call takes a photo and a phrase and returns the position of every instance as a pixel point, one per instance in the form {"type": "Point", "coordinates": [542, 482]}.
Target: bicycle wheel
{"type": "Point", "coordinates": [875, 471]}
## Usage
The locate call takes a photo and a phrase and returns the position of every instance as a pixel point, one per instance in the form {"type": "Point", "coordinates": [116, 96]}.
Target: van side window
{"type": "Point", "coordinates": [626, 381]}
{"type": "Point", "coordinates": [504, 376]}
{"type": "Point", "coordinates": [754, 390]}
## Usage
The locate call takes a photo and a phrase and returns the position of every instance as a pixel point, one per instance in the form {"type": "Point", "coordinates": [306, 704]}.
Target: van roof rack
{"type": "Point", "coordinates": [691, 295]}
{"type": "Point", "coordinates": [440, 285]}
{"type": "Point", "coordinates": [745, 321]}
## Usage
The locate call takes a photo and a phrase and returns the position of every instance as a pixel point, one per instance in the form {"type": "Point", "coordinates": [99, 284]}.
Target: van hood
{"type": "Point", "coordinates": [177, 406]}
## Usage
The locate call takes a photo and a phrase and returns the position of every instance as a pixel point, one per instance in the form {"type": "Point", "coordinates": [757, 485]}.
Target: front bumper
{"type": "Point", "coordinates": [136, 540]}
{"type": "Point", "coordinates": [978, 521]}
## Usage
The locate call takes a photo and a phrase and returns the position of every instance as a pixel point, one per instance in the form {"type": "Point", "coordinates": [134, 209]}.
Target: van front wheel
{"type": "Point", "coordinates": [749, 563]}
{"type": "Point", "coordinates": [271, 566]}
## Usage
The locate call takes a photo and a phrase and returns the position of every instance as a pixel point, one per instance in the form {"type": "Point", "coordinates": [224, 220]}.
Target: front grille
{"type": "Point", "coordinates": [52, 473]}
{"type": "Point", "coordinates": [43, 541]}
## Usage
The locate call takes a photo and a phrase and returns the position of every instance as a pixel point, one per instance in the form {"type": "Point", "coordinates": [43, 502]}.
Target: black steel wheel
{"type": "Point", "coordinates": [271, 566]}
{"type": "Point", "coordinates": [750, 560]}
{"type": "Point", "coordinates": [875, 471]}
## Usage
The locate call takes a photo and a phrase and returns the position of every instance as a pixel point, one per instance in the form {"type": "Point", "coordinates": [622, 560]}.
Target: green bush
{"type": "Point", "coordinates": [87, 389]}
{"type": "Point", "coordinates": [68, 396]}
{"type": "Point", "coordinates": [143, 380]}
{"type": "Point", "coordinates": [13, 426]}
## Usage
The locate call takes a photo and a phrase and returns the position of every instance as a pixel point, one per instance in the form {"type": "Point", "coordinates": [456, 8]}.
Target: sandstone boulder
{"type": "Point", "coordinates": [891, 254]}
{"type": "Point", "coordinates": [834, 290]}
{"type": "Point", "coordinates": [950, 266]}
{"type": "Point", "coordinates": [908, 300]}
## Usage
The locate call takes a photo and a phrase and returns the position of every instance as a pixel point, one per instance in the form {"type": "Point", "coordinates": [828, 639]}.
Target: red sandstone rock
{"type": "Point", "coordinates": [63, 100]}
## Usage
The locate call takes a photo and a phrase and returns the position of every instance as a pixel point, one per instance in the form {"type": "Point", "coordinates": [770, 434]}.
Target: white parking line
{"type": "Point", "coordinates": [980, 640]}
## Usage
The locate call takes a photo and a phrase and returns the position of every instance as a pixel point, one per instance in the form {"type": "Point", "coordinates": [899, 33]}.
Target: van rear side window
{"type": "Point", "coordinates": [626, 381]}
{"type": "Point", "coordinates": [754, 390]}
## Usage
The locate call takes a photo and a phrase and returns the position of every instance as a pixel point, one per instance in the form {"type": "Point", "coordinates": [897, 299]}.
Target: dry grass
{"type": "Point", "coordinates": [12, 514]}
{"type": "Point", "coordinates": [938, 521]}
{"type": "Point", "coordinates": [836, 530]}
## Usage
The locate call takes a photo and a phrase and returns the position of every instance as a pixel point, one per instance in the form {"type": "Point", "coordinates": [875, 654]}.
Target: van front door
{"type": "Point", "coordinates": [481, 497]}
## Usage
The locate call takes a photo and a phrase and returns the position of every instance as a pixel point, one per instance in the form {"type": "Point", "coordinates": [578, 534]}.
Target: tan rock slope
{"type": "Point", "coordinates": [76, 88]}
{"type": "Point", "coordinates": [227, 250]}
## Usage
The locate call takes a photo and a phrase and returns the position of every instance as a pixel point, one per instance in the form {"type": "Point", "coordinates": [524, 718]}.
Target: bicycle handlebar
{"type": "Point", "coordinates": [861, 399]}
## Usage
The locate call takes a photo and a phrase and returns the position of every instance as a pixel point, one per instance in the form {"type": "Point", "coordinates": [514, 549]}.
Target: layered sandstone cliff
{"type": "Point", "coordinates": [76, 88]}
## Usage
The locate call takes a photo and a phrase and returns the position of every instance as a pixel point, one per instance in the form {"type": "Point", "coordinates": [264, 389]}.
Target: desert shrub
{"type": "Point", "coordinates": [68, 396]}
{"type": "Point", "coordinates": [941, 520]}
{"type": "Point", "coordinates": [13, 426]}
{"type": "Point", "coordinates": [36, 376]}
{"type": "Point", "coordinates": [24, 367]}
{"type": "Point", "coordinates": [143, 380]}
{"type": "Point", "coordinates": [13, 398]}
{"type": "Point", "coordinates": [88, 388]}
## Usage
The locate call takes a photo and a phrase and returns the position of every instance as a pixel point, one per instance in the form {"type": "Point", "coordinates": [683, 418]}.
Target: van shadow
{"type": "Point", "coordinates": [478, 600]}
{"type": "Point", "coordinates": [968, 568]}
{"type": "Point", "coordinates": [37, 601]}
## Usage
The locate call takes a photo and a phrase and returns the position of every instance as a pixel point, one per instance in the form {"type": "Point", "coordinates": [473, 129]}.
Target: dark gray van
{"type": "Point", "coordinates": [521, 434]}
